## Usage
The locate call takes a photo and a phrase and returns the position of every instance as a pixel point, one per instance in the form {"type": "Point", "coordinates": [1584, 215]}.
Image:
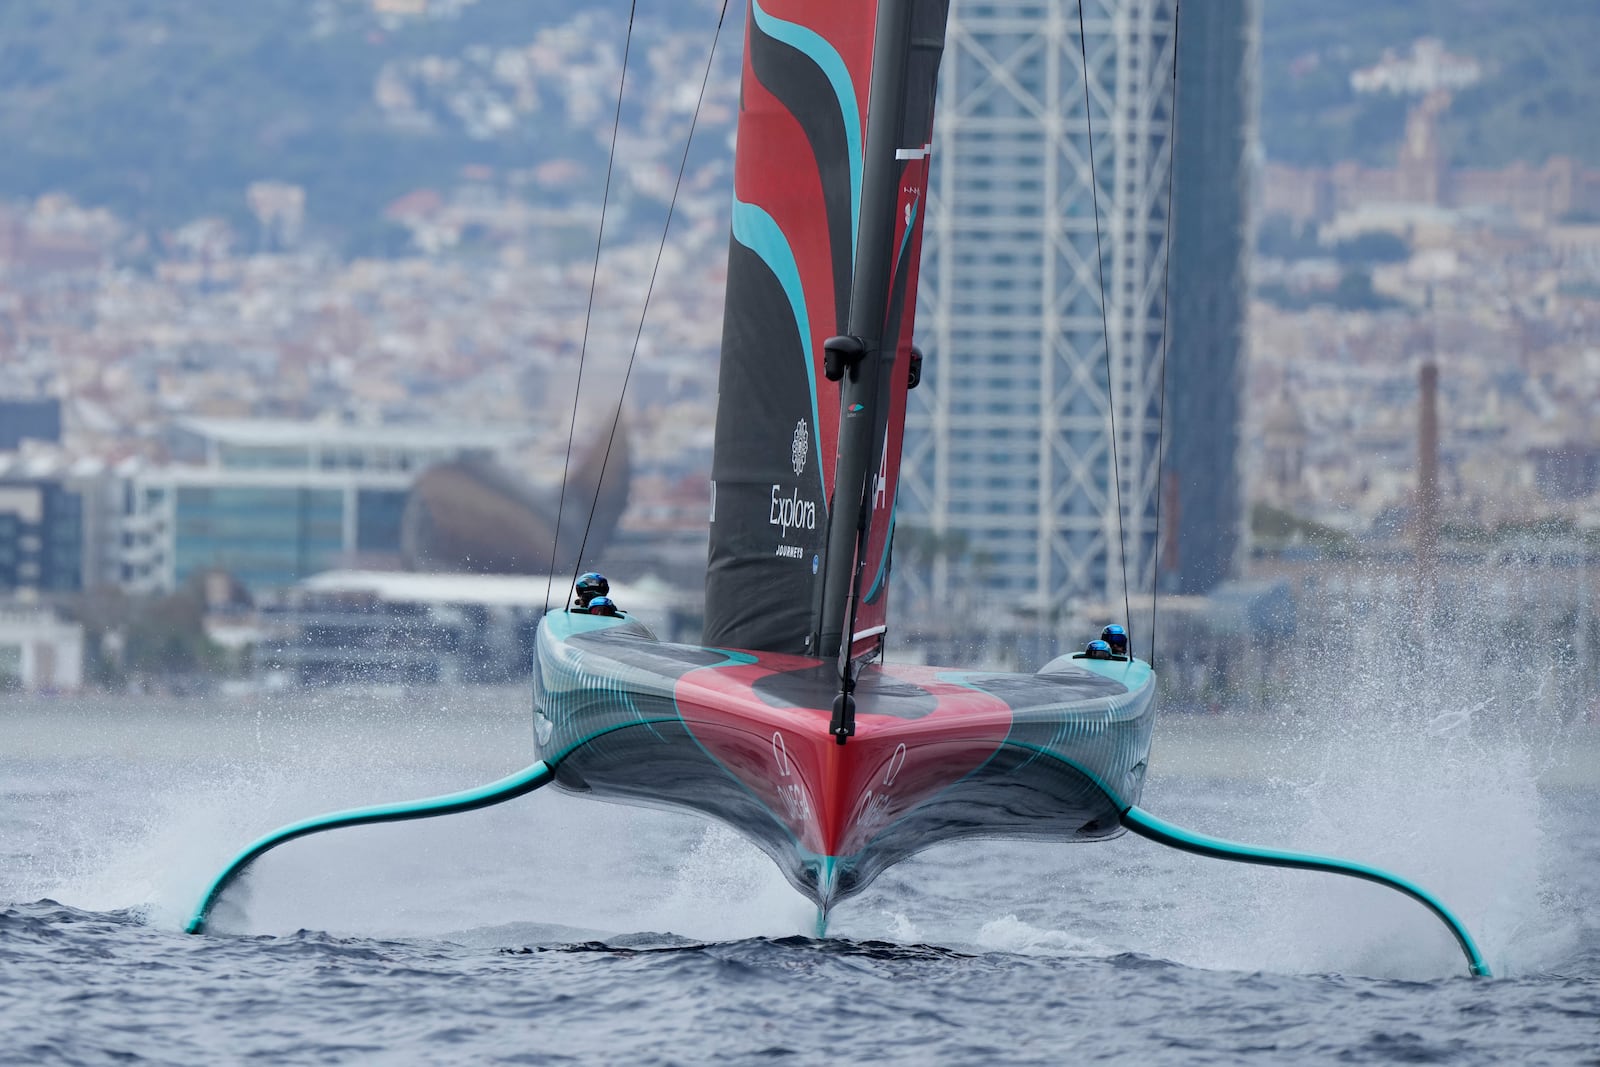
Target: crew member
{"type": "Point", "coordinates": [603, 605]}
{"type": "Point", "coordinates": [1117, 638]}
{"type": "Point", "coordinates": [1095, 650]}
{"type": "Point", "coordinates": [589, 586]}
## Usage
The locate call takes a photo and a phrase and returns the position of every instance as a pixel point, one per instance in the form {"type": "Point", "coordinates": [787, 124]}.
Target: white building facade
{"type": "Point", "coordinates": [38, 651]}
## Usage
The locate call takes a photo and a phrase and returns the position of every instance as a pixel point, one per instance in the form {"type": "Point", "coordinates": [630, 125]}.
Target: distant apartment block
{"type": "Point", "coordinates": [37, 420]}
{"type": "Point", "coordinates": [41, 534]}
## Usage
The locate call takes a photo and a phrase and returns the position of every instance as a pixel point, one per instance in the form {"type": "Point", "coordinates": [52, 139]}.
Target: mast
{"type": "Point", "coordinates": [906, 51]}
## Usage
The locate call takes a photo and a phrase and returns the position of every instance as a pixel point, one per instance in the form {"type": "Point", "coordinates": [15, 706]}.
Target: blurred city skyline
{"type": "Point", "coordinates": [377, 212]}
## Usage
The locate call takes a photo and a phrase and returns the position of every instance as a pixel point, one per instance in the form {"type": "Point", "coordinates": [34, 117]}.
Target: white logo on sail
{"type": "Point", "coordinates": [800, 447]}
{"type": "Point", "coordinates": [881, 488]}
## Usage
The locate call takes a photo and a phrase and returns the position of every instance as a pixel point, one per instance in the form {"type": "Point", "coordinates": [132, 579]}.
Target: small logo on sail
{"type": "Point", "coordinates": [800, 447]}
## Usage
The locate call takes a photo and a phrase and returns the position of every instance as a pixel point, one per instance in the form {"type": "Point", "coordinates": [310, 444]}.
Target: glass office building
{"type": "Point", "coordinates": [272, 502]}
{"type": "Point", "coordinates": [262, 535]}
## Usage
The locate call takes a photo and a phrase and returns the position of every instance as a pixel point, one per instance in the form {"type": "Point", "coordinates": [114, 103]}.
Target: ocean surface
{"type": "Point", "coordinates": [558, 928]}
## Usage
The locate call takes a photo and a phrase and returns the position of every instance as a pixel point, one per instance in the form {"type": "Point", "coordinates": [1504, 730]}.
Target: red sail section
{"type": "Point", "coordinates": [871, 622]}
{"type": "Point", "coordinates": [797, 190]}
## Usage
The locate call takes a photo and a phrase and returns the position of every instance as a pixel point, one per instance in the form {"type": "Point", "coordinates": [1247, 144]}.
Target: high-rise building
{"type": "Point", "coordinates": [1203, 505]}
{"type": "Point", "coordinates": [1009, 438]}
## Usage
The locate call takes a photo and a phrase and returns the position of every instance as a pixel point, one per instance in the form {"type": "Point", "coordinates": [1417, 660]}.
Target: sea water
{"type": "Point", "coordinates": [557, 927]}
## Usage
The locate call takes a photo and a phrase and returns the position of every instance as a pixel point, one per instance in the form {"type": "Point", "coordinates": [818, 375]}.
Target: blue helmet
{"type": "Point", "coordinates": [1097, 650]}
{"type": "Point", "coordinates": [602, 605]}
{"type": "Point", "coordinates": [1117, 638]}
{"type": "Point", "coordinates": [591, 585]}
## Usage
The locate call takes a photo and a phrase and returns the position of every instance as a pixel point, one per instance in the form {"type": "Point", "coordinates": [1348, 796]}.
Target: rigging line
{"type": "Point", "coordinates": [683, 164]}
{"type": "Point", "coordinates": [588, 314]}
{"type": "Point", "coordinates": [1105, 326]}
{"type": "Point", "coordinates": [1166, 318]}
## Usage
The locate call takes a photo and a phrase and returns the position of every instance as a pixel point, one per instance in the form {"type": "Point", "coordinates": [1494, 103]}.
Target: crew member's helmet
{"type": "Point", "coordinates": [592, 585]}
{"type": "Point", "coordinates": [1098, 650]}
{"type": "Point", "coordinates": [602, 605]}
{"type": "Point", "coordinates": [1117, 638]}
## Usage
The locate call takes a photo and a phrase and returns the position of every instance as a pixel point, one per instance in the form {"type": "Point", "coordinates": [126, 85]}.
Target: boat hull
{"type": "Point", "coordinates": [743, 737]}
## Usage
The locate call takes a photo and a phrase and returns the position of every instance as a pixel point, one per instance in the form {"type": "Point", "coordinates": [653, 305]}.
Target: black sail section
{"type": "Point", "coordinates": [766, 533]}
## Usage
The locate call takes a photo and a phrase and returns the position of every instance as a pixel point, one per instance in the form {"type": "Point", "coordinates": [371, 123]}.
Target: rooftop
{"type": "Point", "coordinates": [648, 597]}
{"type": "Point", "coordinates": [271, 433]}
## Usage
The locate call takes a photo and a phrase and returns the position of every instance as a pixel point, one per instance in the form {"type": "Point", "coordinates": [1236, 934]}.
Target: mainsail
{"type": "Point", "coordinates": [827, 218]}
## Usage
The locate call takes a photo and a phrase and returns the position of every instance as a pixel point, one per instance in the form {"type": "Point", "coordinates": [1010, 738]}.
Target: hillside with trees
{"type": "Point", "coordinates": [166, 110]}
{"type": "Point", "coordinates": [1537, 98]}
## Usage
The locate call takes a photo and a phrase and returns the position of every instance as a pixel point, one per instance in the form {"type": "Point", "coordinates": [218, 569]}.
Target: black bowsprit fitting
{"type": "Point", "coordinates": [841, 354]}
{"type": "Point", "coordinates": [843, 723]}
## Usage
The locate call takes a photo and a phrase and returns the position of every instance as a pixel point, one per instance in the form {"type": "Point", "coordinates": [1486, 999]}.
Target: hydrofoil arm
{"type": "Point", "coordinates": [1144, 824]}
{"type": "Point", "coordinates": [509, 788]}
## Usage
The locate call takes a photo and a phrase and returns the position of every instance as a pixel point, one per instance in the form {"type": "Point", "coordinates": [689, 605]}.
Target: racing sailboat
{"type": "Point", "coordinates": [786, 722]}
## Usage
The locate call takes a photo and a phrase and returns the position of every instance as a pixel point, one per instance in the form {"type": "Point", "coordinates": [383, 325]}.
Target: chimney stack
{"type": "Point", "coordinates": [1427, 520]}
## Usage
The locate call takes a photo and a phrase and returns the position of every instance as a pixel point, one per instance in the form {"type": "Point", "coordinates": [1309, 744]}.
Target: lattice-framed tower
{"type": "Point", "coordinates": [1008, 441]}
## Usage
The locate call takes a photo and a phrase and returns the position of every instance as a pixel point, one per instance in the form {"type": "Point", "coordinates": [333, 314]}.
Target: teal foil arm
{"type": "Point", "coordinates": [1144, 824]}
{"type": "Point", "coordinates": [509, 788]}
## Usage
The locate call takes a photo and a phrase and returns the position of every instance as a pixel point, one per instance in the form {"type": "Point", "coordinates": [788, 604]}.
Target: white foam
{"type": "Point", "coordinates": [1423, 761]}
{"type": "Point", "coordinates": [1011, 934]}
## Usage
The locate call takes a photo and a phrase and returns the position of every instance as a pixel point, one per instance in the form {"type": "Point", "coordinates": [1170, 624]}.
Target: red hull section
{"type": "Point", "coordinates": [835, 797]}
